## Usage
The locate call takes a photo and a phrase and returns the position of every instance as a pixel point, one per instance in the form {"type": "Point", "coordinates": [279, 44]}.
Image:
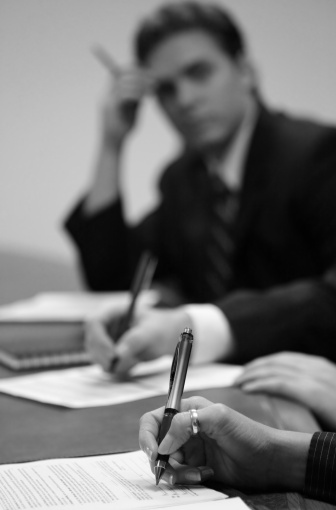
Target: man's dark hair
{"type": "Point", "coordinates": [174, 18]}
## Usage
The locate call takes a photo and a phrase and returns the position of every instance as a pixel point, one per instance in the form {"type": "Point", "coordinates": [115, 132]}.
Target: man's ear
{"type": "Point", "coordinates": [249, 73]}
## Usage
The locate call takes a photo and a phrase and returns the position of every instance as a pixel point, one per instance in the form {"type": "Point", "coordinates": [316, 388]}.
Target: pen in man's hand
{"type": "Point", "coordinates": [176, 384]}
{"type": "Point", "coordinates": [141, 281]}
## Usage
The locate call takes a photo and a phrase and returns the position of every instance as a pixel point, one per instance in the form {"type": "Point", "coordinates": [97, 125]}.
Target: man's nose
{"type": "Point", "coordinates": [187, 95]}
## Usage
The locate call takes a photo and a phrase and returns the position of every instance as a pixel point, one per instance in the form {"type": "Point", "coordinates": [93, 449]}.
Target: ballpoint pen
{"type": "Point", "coordinates": [141, 281]}
{"type": "Point", "coordinates": [130, 106]}
{"type": "Point", "coordinates": [176, 385]}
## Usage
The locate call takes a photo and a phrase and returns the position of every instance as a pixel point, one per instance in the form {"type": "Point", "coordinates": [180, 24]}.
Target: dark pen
{"type": "Point", "coordinates": [176, 385]}
{"type": "Point", "coordinates": [142, 280]}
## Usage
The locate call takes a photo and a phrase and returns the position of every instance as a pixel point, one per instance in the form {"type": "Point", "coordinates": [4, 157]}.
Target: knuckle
{"type": "Point", "coordinates": [221, 410]}
{"type": "Point", "coordinates": [143, 419]}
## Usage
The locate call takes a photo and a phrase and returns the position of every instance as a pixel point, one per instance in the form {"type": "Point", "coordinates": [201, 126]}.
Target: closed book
{"type": "Point", "coordinates": [48, 329]}
{"type": "Point", "coordinates": [34, 344]}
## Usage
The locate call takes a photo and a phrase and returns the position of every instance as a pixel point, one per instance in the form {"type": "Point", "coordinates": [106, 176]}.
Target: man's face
{"type": "Point", "coordinates": [202, 90]}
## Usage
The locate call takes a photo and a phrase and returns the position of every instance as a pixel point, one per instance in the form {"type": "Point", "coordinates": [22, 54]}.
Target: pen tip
{"type": "Point", "coordinates": [158, 474]}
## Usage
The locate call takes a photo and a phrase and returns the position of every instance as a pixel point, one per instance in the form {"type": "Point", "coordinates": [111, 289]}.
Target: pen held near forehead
{"type": "Point", "coordinates": [130, 106]}
{"type": "Point", "coordinates": [105, 58]}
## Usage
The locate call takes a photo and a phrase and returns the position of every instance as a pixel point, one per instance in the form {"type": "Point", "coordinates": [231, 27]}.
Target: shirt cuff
{"type": "Point", "coordinates": [213, 338]}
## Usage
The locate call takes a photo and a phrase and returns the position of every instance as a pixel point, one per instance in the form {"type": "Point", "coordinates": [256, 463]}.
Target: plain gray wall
{"type": "Point", "coordinates": [51, 88]}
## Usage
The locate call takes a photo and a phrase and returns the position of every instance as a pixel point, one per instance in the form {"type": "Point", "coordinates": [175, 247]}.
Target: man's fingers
{"type": "Point", "coordinates": [259, 373]}
{"type": "Point", "coordinates": [130, 349]}
{"type": "Point", "coordinates": [295, 360]}
{"type": "Point", "coordinates": [292, 388]}
{"type": "Point", "coordinates": [98, 344]}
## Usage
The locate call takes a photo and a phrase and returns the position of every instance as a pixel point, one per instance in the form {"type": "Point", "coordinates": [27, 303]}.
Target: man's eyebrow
{"type": "Point", "coordinates": [187, 68]}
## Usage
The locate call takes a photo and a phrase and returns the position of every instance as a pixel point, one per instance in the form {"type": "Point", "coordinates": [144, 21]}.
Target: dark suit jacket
{"type": "Point", "coordinates": [283, 293]}
{"type": "Point", "coordinates": [321, 467]}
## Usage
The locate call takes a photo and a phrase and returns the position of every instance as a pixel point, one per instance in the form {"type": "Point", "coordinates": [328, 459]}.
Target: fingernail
{"type": "Point", "coordinates": [206, 473]}
{"type": "Point", "coordinates": [171, 480]}
{"type": "Point", "coordinates": [149, 453]}
{"type": "Point", "coordinates": [193, 476]}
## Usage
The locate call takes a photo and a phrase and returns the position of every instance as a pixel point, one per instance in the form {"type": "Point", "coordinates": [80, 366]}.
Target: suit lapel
{"type": "Point", "coordinates": [256, 176]}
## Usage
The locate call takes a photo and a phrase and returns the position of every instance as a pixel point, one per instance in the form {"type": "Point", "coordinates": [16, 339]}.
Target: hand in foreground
{"type": "Point", "coordinates": [230, 448]}
{"type": "Point", "coordinates": [310, 380]}
{"type": "Point", "coordinates": [153, 334]}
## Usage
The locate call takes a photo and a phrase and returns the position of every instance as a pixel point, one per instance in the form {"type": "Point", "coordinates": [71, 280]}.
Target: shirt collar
{"type": "Point", "coordinates": [230, 167]}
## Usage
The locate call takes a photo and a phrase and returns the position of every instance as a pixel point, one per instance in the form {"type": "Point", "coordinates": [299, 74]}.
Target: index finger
{"type": "Point", "coordinates": [150, 424]}
{"type": "Point", "coordinates": [98, 344]}
{"type": "Point", "coordinates": [149, 431]}
{"type": "Point", "coordinates": [279, 358]}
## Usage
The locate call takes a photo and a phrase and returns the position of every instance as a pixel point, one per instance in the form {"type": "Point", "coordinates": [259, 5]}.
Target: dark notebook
{"type": "Point", "coordinates": [48, 329]}
{"type": "Point", "coordinates": [28, 345]}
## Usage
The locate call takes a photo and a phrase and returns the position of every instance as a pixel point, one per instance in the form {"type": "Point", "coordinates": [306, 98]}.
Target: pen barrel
{"type": "Point", "coordinates": [166, 422]}
{"type": "Point", "coordinates": [165, 426]}
{"type": "Point", "coordinates": [176, 391]}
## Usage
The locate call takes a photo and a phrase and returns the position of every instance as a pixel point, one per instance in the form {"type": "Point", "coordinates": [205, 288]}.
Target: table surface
{"type": "Point", "coordinates": [34, 431]}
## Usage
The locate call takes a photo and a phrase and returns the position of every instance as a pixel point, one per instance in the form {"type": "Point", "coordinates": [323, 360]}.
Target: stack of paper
{"type": "Point", "coordinates": [119, 482]}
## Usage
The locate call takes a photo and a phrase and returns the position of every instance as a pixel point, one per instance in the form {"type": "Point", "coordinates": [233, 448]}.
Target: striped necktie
{"type": "Point", "coordinates": [221, 243]}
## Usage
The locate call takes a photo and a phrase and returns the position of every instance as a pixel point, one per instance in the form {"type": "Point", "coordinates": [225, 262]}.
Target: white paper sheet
{"type": "Point", "coordinates": [227, 504]}
{"type": "Point", "coordinates": [91, 386]}
{"type": "Point", "coordinates": [121, 481]}
{"type": "Point", "coordinates": [71, 306]}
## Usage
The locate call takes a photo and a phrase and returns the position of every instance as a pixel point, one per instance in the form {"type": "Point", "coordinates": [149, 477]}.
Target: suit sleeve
{"type": "Point", "coordinates": [321, 468]}
{"type": "Point", "coordinates": [109, 248]}
{"type": "Point", "coordinates": [101, 241]}
{"type": "Point", "coordinates": [299, 315]}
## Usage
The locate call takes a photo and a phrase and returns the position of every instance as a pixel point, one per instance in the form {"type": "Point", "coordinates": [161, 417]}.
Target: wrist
{"type": "Point", "coordinates": [112, 145]}
{"type": "Point", "coordinates": [290, 454]}
{"type": "Point", "coordinates": [104, 189]}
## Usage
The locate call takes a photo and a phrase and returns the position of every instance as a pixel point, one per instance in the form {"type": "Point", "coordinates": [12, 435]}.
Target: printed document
{"type": "Point", "coordinates": [71, 306]}
{"type": "Point", "coordinates": [118, 482]}
{"type": "Point", "coordinates": [91, 386]}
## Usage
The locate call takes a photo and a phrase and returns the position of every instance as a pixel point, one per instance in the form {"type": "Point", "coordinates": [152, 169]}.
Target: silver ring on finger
{"type": "Point", "coordinates": [195, 424]}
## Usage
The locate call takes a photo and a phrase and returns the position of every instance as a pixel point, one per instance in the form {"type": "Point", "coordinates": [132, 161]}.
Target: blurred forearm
{"type": "Point", "coordinates": [104, 190]}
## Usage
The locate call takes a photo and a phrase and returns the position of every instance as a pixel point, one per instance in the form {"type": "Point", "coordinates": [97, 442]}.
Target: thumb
{"type": "Point", "coordinates": [98, 344]}
{"type": "Point", "coordinates": [128, 350]}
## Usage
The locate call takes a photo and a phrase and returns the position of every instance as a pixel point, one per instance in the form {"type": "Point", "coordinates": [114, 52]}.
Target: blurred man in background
{"type": "Point", "coordinates": [245, 233]}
